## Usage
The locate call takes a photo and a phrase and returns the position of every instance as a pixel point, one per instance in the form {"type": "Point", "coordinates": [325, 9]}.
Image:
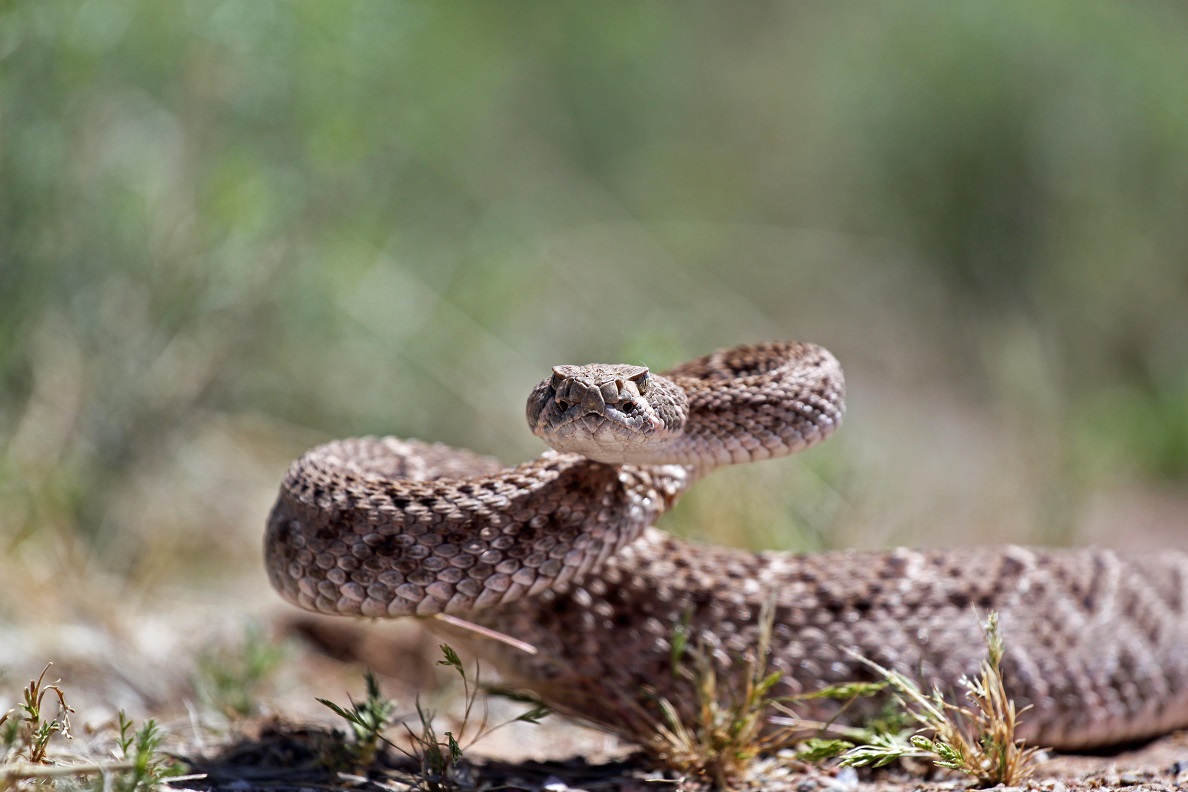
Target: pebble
{"type": "Point", "coordinates": [557, 784]}
{"type": "Point", "coordinates": [846, 780]}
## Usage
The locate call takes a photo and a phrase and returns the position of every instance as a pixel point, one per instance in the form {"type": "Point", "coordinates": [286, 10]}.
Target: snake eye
{"type": "Point", "coordinates": [642, 380]}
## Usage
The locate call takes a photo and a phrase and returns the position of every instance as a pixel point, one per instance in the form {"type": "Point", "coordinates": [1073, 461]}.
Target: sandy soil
{"type": "Point", "coordinates": [284, 739]}
{"type": "Point", "coordinates": [198, 625]}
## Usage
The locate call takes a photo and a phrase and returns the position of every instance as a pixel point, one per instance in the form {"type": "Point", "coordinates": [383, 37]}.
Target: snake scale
{"type": "Point", "coordinates": [560, 553]}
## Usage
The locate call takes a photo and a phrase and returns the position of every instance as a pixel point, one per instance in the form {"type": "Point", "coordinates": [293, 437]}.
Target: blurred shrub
{"type": "Point", "coordinates": [383, 217]}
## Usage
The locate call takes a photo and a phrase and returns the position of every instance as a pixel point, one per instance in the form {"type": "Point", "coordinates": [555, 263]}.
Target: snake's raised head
{"type": "Point", "coordinates": [609, 413]}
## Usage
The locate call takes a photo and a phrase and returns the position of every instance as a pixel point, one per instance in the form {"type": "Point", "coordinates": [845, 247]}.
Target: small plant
{"type": "Point", "coordinates": [729, 726]}
{"type": "Point", "coordinates": [30, 731]}
{"type": "Point", "coordinates": [368, 719]}
{"type": "Point", "coordinates": [139, 767]}
{"type": "Point", "coordinates": [977, 739]}
{"type": "Point", "coordinates": [437, 758]}
{"type": "Point", "coordinates": [440, 759]}
{"type": "Point", "coordinates": [230, 678]}
{"type": "Point", "coordinates": [731, 722]}
{"type": "Point", "coordinates": [10, 731]}
{"type": "Point", "coordinates": [141, 749]}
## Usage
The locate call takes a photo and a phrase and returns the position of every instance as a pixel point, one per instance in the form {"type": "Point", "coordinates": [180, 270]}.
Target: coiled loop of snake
{"type": "Point", "coordinates": [559, 552]}
{"type": "Point", "coordinates": [386, 527]}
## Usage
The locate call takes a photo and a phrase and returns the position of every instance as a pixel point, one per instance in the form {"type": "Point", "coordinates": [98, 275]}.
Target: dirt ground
{"type": "Point", "coordinates": [283, 737]}
{"type": "Point", "coordinates": [277, 757]}
{"type": "Point", "coordinates": [197, 640]}
{"type": "Point", "coordinates": [559, 755]}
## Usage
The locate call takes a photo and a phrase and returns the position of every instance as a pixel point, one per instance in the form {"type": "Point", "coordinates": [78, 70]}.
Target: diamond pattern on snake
{"type": "Point", "coordinates": [560, 553]}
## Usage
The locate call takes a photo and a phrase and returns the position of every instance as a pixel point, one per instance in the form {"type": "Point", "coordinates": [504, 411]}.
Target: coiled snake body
{"type": "Point", "coordinates": [559, 552]}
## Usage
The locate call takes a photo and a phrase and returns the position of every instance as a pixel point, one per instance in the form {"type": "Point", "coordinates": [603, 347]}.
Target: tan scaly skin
{"type": "Point", "coordinates": [559, 552]}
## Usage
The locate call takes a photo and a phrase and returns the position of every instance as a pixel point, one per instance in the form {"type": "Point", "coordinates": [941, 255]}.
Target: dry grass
{"type": "Point", "coordinates": [139, 763]}
{"type": "Point", "coordinates": [28, 735]}
{"type": "Point", "coordinates": [977, 739]}
{"type": "Point", "coordinates": [437, 758]}
{"type": "Point", "coordinates": [729, 723]}
{"type": "Point", "coordinates": [727, 728]}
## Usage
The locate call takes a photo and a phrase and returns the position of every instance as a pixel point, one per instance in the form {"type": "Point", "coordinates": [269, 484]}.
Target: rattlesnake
{"type": "Point", "coordinates": [559, 552]}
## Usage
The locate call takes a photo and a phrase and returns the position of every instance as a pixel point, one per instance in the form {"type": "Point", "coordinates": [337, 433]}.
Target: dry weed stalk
{"type": "Point", "coordinates": [977, 739]}
{"type": "Point", "coordinates": [729, 726]}
{"type": "Point", "coordinates": [33, 731]}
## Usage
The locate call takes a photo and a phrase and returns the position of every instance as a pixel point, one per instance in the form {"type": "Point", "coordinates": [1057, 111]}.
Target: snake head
{"type": "Point", "coordinates": [608, 412]}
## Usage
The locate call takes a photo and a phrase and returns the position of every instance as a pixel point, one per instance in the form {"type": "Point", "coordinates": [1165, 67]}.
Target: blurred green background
{"type": "Point", "coordinates": [230, 230]}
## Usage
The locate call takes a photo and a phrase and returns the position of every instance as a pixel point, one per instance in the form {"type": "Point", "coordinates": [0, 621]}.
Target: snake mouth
{"type": "Point", "coordinates": [606, 435]}
{"type": "Point", "coordinates": [613, 421]}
